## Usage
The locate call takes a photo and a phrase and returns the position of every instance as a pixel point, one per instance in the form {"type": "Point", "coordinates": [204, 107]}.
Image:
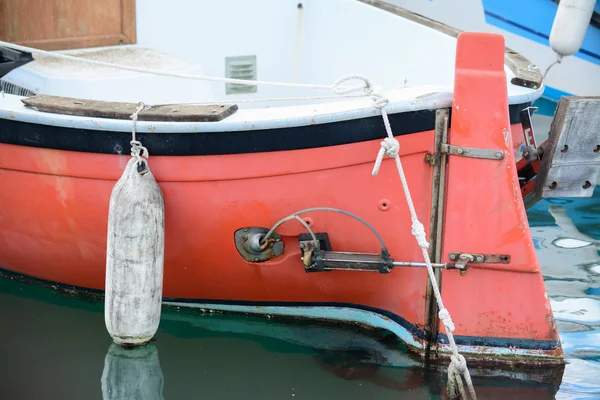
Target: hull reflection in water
{"type": "Point", "coordinates": [132, 374]}
{"type": "Point", "coordinates": [217, 356]}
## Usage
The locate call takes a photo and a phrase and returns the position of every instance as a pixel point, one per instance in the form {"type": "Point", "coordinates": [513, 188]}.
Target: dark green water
{"type": "Point", "coordinates": [55, 346]}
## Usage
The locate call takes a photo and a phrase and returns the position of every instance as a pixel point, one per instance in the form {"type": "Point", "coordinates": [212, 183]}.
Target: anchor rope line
{"type": "Point", "coordinates": [390, 147]}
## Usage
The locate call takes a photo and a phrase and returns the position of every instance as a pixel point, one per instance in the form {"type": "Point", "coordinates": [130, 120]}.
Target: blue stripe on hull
{"type": "Point", "coordinates": [345, 312]}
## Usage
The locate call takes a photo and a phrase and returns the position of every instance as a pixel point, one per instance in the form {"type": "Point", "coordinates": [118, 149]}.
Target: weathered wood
{"type": "Point", "coordinates": [133, 374]}
{"type": "Point", "coordinates": [122, 110]}
{"type": "Point", "coordinates": [571, 159]}
{"type": "Point", "coordinates": [134, 257]}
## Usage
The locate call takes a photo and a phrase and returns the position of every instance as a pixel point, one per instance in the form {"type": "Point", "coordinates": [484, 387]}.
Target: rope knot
{"type": "Point", "coordinates": [418, 231]}
{"type": "Point", "coordinates": [446, 319]}
{"type": "Point", "coordinates": [389, 147]}
{"type": "Point", "coordinates": [459, 363]}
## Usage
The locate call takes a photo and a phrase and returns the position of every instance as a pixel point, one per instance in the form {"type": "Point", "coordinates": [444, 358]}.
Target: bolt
{"type": "Point", "coordinates": [245, 230]}
{"type": "Point", "coordinates": [460, 151]}
{"type": "Point", "coordinates": [479, 259]}
{"type": "Point", "coordinates": [463, 272]}
{"type": "Point", "coordinates": [498, 155]}
{"type": "Point", "coordinates": [453, 256]}
{"type": "Point", "coordinates": [301, 245]}
{"type": "Point", "coordinates": [256, 259]}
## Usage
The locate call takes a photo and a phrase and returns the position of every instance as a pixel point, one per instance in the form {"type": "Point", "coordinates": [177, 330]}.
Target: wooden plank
{"type": "Point", "coordinates": [67, 24]}
{"type": "Point", "coordinates": [122, 110]}
{"type": "Point", "coordinates": [571, 161]}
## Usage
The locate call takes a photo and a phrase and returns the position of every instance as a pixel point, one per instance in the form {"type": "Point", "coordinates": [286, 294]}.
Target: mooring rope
{"type": "Point", "coordinates": [163, 73]}
{"type": "Point", "coordinates": [390, 147]}
{"type": "Point", "coordinates": [339, 91]}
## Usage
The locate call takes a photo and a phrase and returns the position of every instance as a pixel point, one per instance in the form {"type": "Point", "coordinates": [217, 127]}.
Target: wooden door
{"type": "Point", "coordinates": [67, 24]}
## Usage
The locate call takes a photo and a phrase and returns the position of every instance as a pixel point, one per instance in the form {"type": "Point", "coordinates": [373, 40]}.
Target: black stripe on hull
{"type": "Point", "coordinates": [219, 143]}
{"type": "Point", "coordinates": [498, 342]}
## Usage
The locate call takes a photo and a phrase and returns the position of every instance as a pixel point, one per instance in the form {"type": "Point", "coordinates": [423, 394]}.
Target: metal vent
{"type": "Point", "coordinates": [11, 88]}
{"type": "Point", "coordinates": [240, 67]}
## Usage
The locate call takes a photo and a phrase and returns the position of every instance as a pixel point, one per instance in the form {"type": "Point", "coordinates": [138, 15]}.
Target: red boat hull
{"type": "Point", "coordinates": [54, 212]}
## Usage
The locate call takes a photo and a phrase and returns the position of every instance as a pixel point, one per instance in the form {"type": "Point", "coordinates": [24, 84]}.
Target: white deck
{"type": "Point", "coordinates": [315, 44]}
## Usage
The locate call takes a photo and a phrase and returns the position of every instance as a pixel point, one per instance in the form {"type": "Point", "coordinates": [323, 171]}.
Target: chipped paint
{"type": "Point", "coordinates": [506, 137]}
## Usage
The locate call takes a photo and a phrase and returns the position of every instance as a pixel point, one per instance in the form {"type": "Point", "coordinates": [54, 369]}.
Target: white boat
{"type": "Point", "coordinates": [526, 27]}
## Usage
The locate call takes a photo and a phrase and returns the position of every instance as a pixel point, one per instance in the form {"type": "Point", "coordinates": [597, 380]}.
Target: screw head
{"type": "Point", "coordinates": [460, 151]}
{"type": "Point", "coordinates": [498, 155]}
{"type": "Point", "coordinates": [256, 259]}
{"type": "Point", "coordinates": [453, 256]}
{"type": "Point", "coordinates": [479, 259]}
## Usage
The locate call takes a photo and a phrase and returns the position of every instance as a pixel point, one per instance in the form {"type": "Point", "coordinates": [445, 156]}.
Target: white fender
{"type": "Point", "coordinates": [570, 25]}
{"type": "Point", "coordinates": [134, 257]}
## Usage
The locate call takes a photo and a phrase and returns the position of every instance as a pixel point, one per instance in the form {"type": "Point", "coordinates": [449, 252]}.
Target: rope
{"type": "Point", "coordinates": [390, 147]}
{"type": "Point", "coordinates": [559, 58]}
{"type": "Point", "coordinates": [137, 150]}
{"type": "Point", "coordinates": [163, 73]}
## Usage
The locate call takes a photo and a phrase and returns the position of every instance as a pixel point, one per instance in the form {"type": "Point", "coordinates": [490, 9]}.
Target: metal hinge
{"type": "Point", "coordinates": [471, 152]}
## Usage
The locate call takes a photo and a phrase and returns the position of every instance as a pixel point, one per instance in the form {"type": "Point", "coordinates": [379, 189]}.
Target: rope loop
{"type": "Point", "coordinates": [367, 88]}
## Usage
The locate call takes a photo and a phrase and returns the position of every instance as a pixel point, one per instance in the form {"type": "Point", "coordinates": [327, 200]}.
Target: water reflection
{"type": "Point", "coordinates": [567, 237]}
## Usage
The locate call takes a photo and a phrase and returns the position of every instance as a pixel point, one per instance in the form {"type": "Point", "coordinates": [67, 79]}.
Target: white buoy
{"type": "Point", "coordinates": [570, 25]}
{"type": "Point", "coordinates": [132, 374]}
{"type": "Point", "coordinates": [135, 253]}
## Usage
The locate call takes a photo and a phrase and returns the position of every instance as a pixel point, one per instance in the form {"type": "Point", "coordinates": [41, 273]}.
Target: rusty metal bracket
{"type": "Point", "coordinates": [472, 152]}
{"type": "Point", "coordinates": [482, 258]}
{"type": "Point", "coordinates": [462, 260]}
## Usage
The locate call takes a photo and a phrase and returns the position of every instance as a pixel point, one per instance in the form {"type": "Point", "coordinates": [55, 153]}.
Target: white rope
{"type": "Point", "coordinates": [336, 87]}
{"type": "Point", "coordinates": [257, 100]}
{"type": "Point", "coordinates": [391, 147]}
{"type": "Point", "coordinates": [137, 150]}
{"type": "Point", "coordinates": [163, 73]}
{"type": "Point", "coordinates": [559, 58]}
